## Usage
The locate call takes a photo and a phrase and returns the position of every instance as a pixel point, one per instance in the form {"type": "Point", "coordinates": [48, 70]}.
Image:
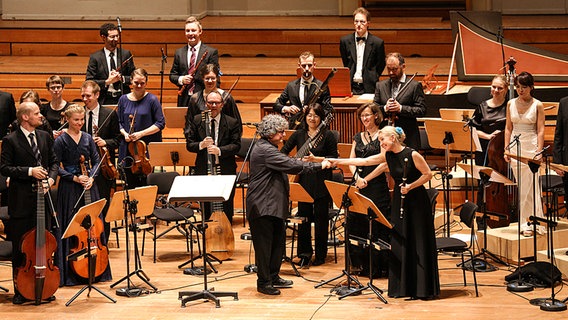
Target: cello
{"type": "Point", "coordinates": [81, 266]}
{"type": "Point", "coordinates": [38, 278]}
{"type": "Point", "coordinates": [137, 149]}
{"type": "Point", "coordinates": [219, 232]}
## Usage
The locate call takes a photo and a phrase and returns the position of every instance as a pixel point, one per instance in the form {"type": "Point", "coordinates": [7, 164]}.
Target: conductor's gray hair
{"type": "Point", "coordinates": [272, 124]}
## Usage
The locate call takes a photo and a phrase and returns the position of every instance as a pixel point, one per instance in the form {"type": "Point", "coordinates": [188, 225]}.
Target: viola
{"type": "Point", "coordinates": [108, 170]}
{"type": "Point", "coordinates": [81, 266]}
{"type": "Point", "coordinates": [137, 149]}
{"type": "Point", "coordinates": [38, 278]}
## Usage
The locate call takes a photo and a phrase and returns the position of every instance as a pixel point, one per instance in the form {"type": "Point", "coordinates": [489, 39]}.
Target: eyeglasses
{"type": "Point", "coordinates": [214, 103]}
{"type": "Point", "coordinates": [210, 79]}
{"type": "Point", "coordinates": [366, 115]}
{"type": "Point", "coordinates": [359, 22]}
{"type": "Point", "coordinates": [306, 65]}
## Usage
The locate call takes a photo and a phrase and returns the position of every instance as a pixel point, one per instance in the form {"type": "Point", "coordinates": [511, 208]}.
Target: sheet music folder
{"type": "Point", "coordinates": [202, 188]}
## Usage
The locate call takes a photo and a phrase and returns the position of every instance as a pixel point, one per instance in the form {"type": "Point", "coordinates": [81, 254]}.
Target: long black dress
{"type": "Point", "coordinates": [377, 190]}
{"type": "Point", "coordinates": [69, 153]}
{"type": "Point", "coordinates": [413, 268]}
{"type": "Point", "coordinates": [488, 119]}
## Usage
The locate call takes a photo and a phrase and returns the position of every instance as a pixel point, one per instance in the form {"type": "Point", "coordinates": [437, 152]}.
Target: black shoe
{"type": "Point", "coordinates": [269, 290]}
{"type": "Point", "coordinates": [304, 262]}
{"type": "Point", "coordinates": [318, 262]}
{"type": "Point", "coordinates": [282, 283]}
{"type": "Point", "coordinates": [19, 299]}
{"type": "Point", "coordinates": [52, 298]}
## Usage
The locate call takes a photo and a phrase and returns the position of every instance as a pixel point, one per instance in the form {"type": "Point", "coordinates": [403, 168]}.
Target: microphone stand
{"type": "Point", "coordinates": [164, 61]}
{"type": "Point", "coordinates": [119, 53]}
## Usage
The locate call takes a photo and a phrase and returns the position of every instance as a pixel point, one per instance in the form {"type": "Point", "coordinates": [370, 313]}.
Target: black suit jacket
{"type": "Point", "coordinates": [373, 59]}
{"type": "Point", "coordinates": [180, 67]}
{"type": "Point", "coordinates": [229, 141]}
{"type": "Point", "coordinates": [7, 112]}
{"type": "Point", "coordinates": [98, 71]}
{"type": "Point", "coordinates": [291, 96]}
{"type": "Point", "coordinates": [413, 105]}
{"type": "Point", "coordinates": [17, 157]}
{"type": "Point", "coordinates": [560, 151]}
{"type": "Point", "coordinates": [109, 130]}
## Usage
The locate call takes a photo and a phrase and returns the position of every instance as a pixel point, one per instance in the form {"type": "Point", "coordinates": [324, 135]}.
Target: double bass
{"type": "Point", "coordinates": [38, 278]}
{"type": "Point", "coordinates": [81, 266]}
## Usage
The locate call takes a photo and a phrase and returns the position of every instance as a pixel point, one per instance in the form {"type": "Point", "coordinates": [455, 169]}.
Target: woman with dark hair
{"type": "Point", "coordinates": [54, 110]}
{"type": "Point", "coordinates": [267, 200]}
{"type": "Point", "coordinates": [525, 120]}
{"type": "Point", "coordinates": [372, 184]}
{"type": "Point", "coordinates": [210, 73]}
{"type": "Point", "coordinates": [313, 183]}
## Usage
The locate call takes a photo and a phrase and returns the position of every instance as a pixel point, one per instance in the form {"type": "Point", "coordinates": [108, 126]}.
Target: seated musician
{"type": "Point", "coordinates": [141, 119]}
{"type": "Point", "coordinates": [313, 183]}
{"type": "Point", "coordinates": [298, 93]}
{"type": "Point", "coordinates": [220, 146]}
{"type": "Point", "coordinates": [19, 164]}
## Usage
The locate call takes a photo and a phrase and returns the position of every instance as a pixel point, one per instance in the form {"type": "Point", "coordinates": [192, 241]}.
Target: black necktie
{"type": "Point", "coordinates": [306, 91]}
{"type": "Point", "coordinates": [115, 85]}
{"type": "Point", "coordinates": [90, 124]}
{"type": "Point", "coordinates": [360, 39]}
{"type": "Point", "coordinates": [213, 130]}
{"type": "Point", "coordinates": [35, 149]}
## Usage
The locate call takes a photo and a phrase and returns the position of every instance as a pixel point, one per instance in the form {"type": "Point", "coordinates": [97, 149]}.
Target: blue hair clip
{"type": "Point", "coordinates": [398, 130]}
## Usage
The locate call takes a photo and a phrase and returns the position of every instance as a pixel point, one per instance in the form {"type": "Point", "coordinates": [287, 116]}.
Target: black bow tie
{"type": "Point", "coordinates": [360, 39]}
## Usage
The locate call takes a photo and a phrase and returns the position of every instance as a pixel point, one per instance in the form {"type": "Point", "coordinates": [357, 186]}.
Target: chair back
{"type": "Point", "coordinates": [163, 180]}
{"type": "Point", "coordinates": [245, 145]}
{"type": "Point", "coordinates": [476, 95]}
{"type": "Point", "coordinates": [467, 213]}
{"type": "Point", "coordinates": [433, 197]}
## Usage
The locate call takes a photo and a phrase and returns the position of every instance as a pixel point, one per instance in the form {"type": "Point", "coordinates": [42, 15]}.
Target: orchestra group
{"type": "Point", "coordinates": [79, 149]}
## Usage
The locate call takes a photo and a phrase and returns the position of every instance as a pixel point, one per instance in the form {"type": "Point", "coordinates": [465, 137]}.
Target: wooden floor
{"type": "Point", "coordinates": [302, 301]}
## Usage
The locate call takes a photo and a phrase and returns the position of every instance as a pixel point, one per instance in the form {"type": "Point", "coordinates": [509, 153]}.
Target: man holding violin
{"type": "Point", "coordinates": [27, 156]}
{"type": "Point", "coordinates": [102, 124]}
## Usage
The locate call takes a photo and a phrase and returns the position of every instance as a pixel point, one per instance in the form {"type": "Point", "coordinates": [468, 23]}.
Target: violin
{"type": "Point", "coordinates": [81, 266]}
{"type": "Point", "coordinates": [38, 278]}
{"type": "Point", "coordinates": [137, 149]}
{"type": "Point", "coordinates": [108, 170]}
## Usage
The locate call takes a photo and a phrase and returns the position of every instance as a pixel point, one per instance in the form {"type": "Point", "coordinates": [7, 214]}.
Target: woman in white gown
{"type": "Point", "coordinates": [525, 119]}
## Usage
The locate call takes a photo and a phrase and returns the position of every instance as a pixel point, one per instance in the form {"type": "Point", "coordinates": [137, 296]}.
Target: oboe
{"type": "Point", "coordinates": [403, 183]}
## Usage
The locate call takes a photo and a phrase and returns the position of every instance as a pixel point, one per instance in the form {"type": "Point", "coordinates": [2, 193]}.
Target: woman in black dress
{"type": "Point", "coordinates": [54, 110]}
{"type": "Point", "coordinates": [313, 183]}
{"type": "Point", "coordinates": [413, 267]}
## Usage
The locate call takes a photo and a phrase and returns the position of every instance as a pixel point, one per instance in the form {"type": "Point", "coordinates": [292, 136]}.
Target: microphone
{"type": "Point", "coordinates": [513, 141]}
{"type": "Point", "coordinates": [164, 56]}
{"type": "Point", "coordinates": [256, 124]}
{"type": "Point", "coordinates": [119, 25]}
{"type": "Point", "coordinates": [541, 151]}
{"type": "Point", "coordinates": [468, 121]}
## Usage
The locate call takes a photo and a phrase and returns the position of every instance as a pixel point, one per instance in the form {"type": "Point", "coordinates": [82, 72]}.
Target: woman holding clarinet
{"type": "Point", "coordinates": [413, 266]}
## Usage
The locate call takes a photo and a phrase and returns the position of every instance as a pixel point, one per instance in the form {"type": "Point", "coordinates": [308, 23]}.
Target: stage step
{"type": "Point", "coordinates": [504, 242]}
{"type": "Point", "coordinates": [560, 259]}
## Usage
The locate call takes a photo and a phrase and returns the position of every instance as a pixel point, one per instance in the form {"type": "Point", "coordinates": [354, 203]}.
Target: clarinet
{"type": "Point", "coordinates": [403, 183]}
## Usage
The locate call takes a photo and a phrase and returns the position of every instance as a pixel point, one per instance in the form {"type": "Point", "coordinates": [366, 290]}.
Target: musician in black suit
{"type": "Point", "coordinates": [223, 143]}
{"type": "Point", "coordinates": [560, 151]}
{"type": "Point", "coordinates": [180, 74]}
{"type": "Point", "coordinates": [405, 107]}
{"type": "Point", "coordinates": [363, 53]}
{"type": "Point", "coordinates": [105, 125]}
{"type": "Point", "coordinates": [103, 65]}
{"type": "Point", "coordinates": [7, 112]}
{"type": "Point", "coordinates": [294, 98]}
{"type": "Point", "coordinates": [20, 164]}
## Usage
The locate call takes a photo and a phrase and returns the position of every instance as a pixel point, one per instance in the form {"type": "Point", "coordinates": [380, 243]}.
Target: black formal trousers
{"type": "Point", "coordinates": [269, 234]}
{"type": "Point", "coordinates": [313, 213]}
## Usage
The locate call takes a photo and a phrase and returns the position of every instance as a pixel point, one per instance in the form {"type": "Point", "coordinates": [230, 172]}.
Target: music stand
{"type": "Point", "coordinates": [343, 196]}
{"type": "Point", "coordinates": [82, 220]}
{"type": "Point", "coordinates": [171, 154]}
{"type": "Point", "coordinates": [298, 194]}
{"type": "Point", "coordinates": [138, 202]}
{"type": "Point", "coordinates": [486, 174]}
{"type": "Point", "coordinates": [205, 189]}
{"type": "Point", "coordinates": [449, 135]}
{"type": "Point", "coordinates": [380, 245]}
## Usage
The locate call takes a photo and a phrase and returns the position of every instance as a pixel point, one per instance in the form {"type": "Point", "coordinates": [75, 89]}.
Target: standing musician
{"type": "Point", "coordinates": [561, 140]}
{"type": "Point", "coordinates": [405, 107]}
{"type": "Point", "coordinates": [223, 144]}
{"type": "Point", "coordinates": [186, 60]}
{"type": "Point", "coordinates": [20, 164]}
{"type": "Point", "coordinates": [413, 265]}
{"type": "Point", "coordinates": [313, 182]}
{"type": "Point", "coordinates": [53, 110]}
{"type": "Point", "coordinates": [300, 91]}
{"type": "Point", "coordinates": [107, 70]}
{"type": "Point", "coordinates": [144, 110]}
{"type": "Point", "coordinates": [363, 53]}
{"type": "Point", "coordinates": [210, 73]}
{"type": "Point", "coordinates": [69, 147]}
{"type": "Point", "coordinates": [104, 122]}
{"type": "Point", "coordinates": [267, 201]}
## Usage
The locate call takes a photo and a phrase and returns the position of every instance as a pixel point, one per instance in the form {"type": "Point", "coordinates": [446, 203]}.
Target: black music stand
{"type": "Point", "coordinates": [449, 135]}
{"type": "Point", "coordinates": [299, 194]}
{"type": "Point", "coordinates": [486, 174]}
{"type": "Point", "coordinates": [344, 197]}
{"type": "Point", "coordinates": [205, 189]}
{"type": "Point", "coordinates": [138, 202]}
{"type": "Point", "coordinates": [82, 220]}
{"type": "Point", "coordinates": [380, 245]}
